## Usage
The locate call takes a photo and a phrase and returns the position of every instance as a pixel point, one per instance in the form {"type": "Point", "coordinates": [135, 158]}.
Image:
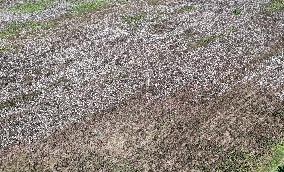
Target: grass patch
{"type": "Point", "coordinates": [15, 28]}
{"type": "Point", "coordinates": [275, 161]}
{"type": "Point", "coordinates": [237, 12]}
{"type": "Point", "coordinates": [275, 5]}
{"type": "Point", "coordinates": [236, 160]}
{"type": "Point", "coordinates": [134, 20]}
{"type": "Point", "coordinates": [232, 29]}
{"type": "Point", "coordinates": [4, 49]}
{"type": "Point", "coordinates": [204, 41]}
{"type": "Point", "coordinates": [281, 168]}
{"type": "Point", "coordinates": [188, 8]}
{"type": "Point", "coordinates": [31, 7]}
{"type": "Point", "coordinates": [153, 2]}
{"type": "Point", "coordinates": [7, 48]}
{"type": "Point", "coordinates": [84, 7]}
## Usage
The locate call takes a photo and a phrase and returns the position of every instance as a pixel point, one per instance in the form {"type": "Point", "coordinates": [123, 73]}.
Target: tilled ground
{"type": "Point", "coordinates": [145, 86]}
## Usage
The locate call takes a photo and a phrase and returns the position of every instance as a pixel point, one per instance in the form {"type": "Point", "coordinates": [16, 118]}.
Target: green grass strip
{"type": "Point", "coordinates": [84, 7]}
{"type": "Point", "coordinates": [275, 5]}
{"type": "Point", "coordinates": [275, 161]}
{"type": "Point", "coordinates": [237, 12]}
{"type": "Point", "coordinates": [206, 40]}
{"type": "Point", "coordinates": [184, 9]}
{"type": "Point", "coordinates": [8, 48]}
{"type": "Point", "coordinates": [135, 19]}
{"type": "Point", "coordinates": [15, 28]}
{"type": "Point", "coordinates": [31, 7]}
